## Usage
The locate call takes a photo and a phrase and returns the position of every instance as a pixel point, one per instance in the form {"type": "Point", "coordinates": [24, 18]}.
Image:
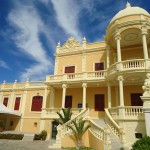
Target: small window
{"type": "Point", "coordinates": [70, 69]}
{"type": "Point", "coordinates": [17, 103]}
{"type": "Point", "coordinates": [5, 102]}
{"type": "Point", "coordinates": [99, 66]}
{"type": "Point", "coordinates": [37, 103]}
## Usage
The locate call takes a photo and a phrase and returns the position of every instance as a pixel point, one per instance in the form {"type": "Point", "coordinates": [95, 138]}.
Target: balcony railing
{"type": "Point", "coordinates": [128, 65]}
{"type": "Point", "coordinates": [77, 76]}
{"type": "Point", "coordinates": [130, 112]}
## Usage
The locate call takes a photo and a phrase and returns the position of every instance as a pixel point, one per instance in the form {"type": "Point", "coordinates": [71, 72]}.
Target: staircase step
{"type": "Point", "coordinates": [28, 137]}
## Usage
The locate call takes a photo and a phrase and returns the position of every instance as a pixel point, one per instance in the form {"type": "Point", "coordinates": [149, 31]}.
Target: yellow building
{"type": "Point", "coordinates": [106, 77]}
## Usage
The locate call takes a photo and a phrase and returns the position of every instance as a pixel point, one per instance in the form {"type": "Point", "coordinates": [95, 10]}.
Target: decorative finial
{"type": "Point", "coordinates": [4, 82]}
{"type": "Point", "coordinates": [128, 5]}
{"type": "Point", "coordinates": [58, 47]}
{"type": "Point", "coordinates": [15, 81]}
{"type": "Point", "coordinates": [84, 43]}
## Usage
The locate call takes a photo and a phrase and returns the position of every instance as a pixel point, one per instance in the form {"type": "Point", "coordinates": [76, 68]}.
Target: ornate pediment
{"type": "Point", "coordinates": [70, 45]}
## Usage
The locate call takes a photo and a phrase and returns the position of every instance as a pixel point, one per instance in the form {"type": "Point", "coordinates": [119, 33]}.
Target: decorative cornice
{"type": "Point", "coordinates": [70, 45]}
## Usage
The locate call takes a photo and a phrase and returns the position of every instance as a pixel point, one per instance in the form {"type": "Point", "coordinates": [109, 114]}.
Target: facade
{"type": "Point", "coordinates": [106, 77]}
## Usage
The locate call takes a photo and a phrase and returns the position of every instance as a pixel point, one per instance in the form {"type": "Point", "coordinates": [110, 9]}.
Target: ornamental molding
{"type": "Point", "coordinates": [146, 86]}
{"type": "Point", "coordinates": [70, 46]}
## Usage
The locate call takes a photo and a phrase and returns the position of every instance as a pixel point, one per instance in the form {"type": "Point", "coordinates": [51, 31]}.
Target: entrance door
{"type": "Point", "coordinates": [68, 102]}
{"type": "Point", "coordinates": [99, 102]}
{"type": "Point", "coordinates": [136, 100]}
{"type": "Point", "coordinates": [54, 129]}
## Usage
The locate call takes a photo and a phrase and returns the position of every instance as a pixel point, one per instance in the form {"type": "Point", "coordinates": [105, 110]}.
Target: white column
{"type": "Point", "coordinates": [115, 57]}
{"type": "Point", "coordinates": [109, 95]}
{"type": "Point", "coordinates": [117, 96]}
{"type": "Point", "coordinates": [84, 85]}
{"type": "Point", "coordinates": [52, 97]}
{"type": "Point", "coordinates": [144, 33]}
{"type": "Point", "coordinates": [45, 97]}
{"type": "Point", "coordinates": [121, 96]}
{"type": "Point", "coordinates": [64, 86]}
{"type": "Point", "coordinates": [118, 38]}
{"type": "Point", "coordinates": [108, 55]}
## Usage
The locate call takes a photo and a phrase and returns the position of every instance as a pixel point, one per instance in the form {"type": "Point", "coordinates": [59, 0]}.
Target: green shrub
{"type": "Point", "coordinates": [37, 137]}
{"type": "Point", "coordinates": [142, 144]}
{"type": "Point", "coordinates": [43, 134]}
{"type": "Point", "coordinates": [11, 136]}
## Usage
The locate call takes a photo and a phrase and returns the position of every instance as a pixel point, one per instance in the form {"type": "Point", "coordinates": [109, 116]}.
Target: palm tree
{"type": "Point", "coordinates": [65, 117]}
{"type": "Point", "coordinates": [78, 128]}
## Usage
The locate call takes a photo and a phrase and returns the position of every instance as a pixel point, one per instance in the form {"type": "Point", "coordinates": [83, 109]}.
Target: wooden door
{"type": "Point", "coordinates": [99, 102]}
{"type": "Point", "coordinates": [68, 102]}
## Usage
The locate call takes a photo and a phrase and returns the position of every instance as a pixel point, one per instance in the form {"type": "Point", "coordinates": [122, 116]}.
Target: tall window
{"type": "Point", "coordinates": [37, 103]}
{"type": "Point", "coordinates": [99, 66]}
{"type": "Point", "coordinates": [17, 103]}
{"type": "Point", "coordinates": [5, 101]}
{"type": "Point", "coordinates": [70, 69]}
{"type": "Point", "coordinates": [99, 102]}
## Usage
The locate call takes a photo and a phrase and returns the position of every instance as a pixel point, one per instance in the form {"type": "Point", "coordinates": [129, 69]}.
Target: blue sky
{"type": "Point", "coordinates": [31, 29]}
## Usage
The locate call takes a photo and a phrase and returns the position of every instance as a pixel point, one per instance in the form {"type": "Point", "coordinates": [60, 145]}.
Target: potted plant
{"type": "Point", "coordinates": [43, 134]}
{"type": "Point", "coordinates": [2, 125]}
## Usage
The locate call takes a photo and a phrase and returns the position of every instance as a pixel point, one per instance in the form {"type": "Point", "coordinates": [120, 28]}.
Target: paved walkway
{"type": "Point", "coordinates": [24, 145]}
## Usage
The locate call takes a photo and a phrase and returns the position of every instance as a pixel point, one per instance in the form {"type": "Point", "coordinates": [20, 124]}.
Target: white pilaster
{"type": "Point", "coordinates": [109, 95]}
{"type": "Point", "coordinates": [121, 95]}
{"type": "Point", "coordinates": [118, 38]}
{"type": "Point", "coordinates": [52, 97]}
{"type": "Point", "coordinates": [84, 85]}
{"type": "Point", "coordinates": [64, 86]}
{"type": "Point", "coordinates": [144, 33]}
{"type": "Point", "coordinates": [108, 55]}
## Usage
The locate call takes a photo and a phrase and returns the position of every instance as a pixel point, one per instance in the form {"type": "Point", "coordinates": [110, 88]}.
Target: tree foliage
{"type": "Point", "coordinates": [78, 128]}
{"type": "Point", "coordinates": [65, 116]}
{"type": "Point", "coordinates": [142, 144]}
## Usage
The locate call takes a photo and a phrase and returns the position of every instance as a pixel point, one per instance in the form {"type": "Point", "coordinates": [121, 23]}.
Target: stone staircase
{"type": "Point", "coordinates": [115, 143]}
{"type": "Point", "coordinates": [28, 137]}
{"type": "Point", "coordinates": [54, 144]}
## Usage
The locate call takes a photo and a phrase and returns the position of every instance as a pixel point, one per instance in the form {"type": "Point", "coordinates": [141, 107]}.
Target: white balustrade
{"type": "Point", "coordinates": [133, 64]}
{"type": "Point", "coordinates": [96, 74]}
{"type": "Point", "coordinates": [67, 131]}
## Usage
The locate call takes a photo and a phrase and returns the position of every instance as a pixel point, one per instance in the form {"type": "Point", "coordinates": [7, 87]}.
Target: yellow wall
{"type": "Point", "coordinates": [95, 143]}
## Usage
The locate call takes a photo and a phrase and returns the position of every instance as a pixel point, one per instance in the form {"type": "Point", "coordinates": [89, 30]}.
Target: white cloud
{"type": "Point", "coordinates": [67, 13]}
{"type": "Point", "coordinates": [28, 25]}
{"type": "Point", "coordinates": [3, 64]}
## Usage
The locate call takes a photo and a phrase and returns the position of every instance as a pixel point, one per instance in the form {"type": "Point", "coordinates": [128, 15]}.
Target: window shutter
{"type": "Point", "coordinates": [17, 103]}
{"type": "Point", "coordinates": [5, 102]}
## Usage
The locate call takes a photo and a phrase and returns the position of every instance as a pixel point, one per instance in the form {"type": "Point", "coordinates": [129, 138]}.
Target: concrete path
{"type": "Point", "coordinates": [24, 145]}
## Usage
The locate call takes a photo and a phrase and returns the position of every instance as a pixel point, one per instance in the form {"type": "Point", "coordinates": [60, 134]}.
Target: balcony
{"type": "Point", "coordinates": [96, 75]}
{"type": "Point", "coordinates": [128, 66]}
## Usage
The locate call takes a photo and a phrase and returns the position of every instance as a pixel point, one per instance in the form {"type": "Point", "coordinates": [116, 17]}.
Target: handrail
{"type": "Point", "coordinates": [112, 124]}
{"type": "Point", "coordinates": [67, 131]}
{"type": "Point", "coordinates": [96, 130]}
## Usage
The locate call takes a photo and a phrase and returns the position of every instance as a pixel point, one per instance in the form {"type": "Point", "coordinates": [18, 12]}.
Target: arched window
{"type": "Point", "coordinates": [37, 103]}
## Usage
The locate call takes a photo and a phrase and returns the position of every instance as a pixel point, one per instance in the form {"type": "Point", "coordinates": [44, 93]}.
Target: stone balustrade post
{"type": "Point", "coordinates": [146, 103]}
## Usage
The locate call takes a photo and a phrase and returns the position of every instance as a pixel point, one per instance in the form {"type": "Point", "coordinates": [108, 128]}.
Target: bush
{"type": "Point", "coordinates": [37, 137]}
{"type": "Point", "coordinates": [43, 134]}
{"type": "Point", "coordinates": [11, 136]}
{"type": "Point", "coordinates": [142, 144]}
